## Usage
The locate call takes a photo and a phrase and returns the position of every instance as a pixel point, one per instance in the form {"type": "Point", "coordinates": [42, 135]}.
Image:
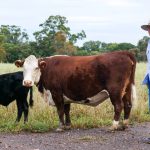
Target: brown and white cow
{"type": "Point", "coordinates": [85, 80]}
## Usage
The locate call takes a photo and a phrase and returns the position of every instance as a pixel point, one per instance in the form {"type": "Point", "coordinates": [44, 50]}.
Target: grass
{"type": "Point", "coordinates": [43, 117]}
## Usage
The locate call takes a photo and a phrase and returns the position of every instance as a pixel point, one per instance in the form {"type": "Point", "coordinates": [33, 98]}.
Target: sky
{"type": "Point", "coordinates": [103, 20]}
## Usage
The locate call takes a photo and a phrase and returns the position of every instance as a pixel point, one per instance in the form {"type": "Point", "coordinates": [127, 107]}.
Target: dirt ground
{"type": "Point", "coordinates": [79, 139]}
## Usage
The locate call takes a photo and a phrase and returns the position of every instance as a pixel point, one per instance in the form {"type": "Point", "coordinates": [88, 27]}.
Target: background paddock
{"type": "Point", "coordinates": [43, 117]}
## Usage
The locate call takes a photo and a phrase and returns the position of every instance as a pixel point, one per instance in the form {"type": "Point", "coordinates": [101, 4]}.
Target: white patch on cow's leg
{"type": "Point", "coordinates": [126, 123]}
{"type": "Point", "coordinates": [60, 128]}
{"type": "Point", "coordinates": [115, 125]}
{"type": "Point", "coordinates": [68, 127]}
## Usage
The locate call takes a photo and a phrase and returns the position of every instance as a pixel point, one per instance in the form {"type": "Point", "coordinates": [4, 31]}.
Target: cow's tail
{"type": "Point", "coordinates": [133, 96]}
{"type": "Point", "coordinates": [31, 97]}
{"type": "Point", "coordinates": [133, 88]}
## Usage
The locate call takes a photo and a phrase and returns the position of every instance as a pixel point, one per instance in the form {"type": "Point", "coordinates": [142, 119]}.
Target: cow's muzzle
{"type": "Point", "coordinates": [27, 83]}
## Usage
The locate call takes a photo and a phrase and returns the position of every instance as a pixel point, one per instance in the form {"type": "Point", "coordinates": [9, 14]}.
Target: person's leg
{"type": "Point", "coordinates": [149, 98]}
{"type": "Point", "coordinates": [148, 85]}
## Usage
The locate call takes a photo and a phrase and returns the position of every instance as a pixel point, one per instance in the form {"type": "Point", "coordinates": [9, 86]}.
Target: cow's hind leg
{"type": "Point", "coordinates": [67, 115]}
{"type": "Point", "coordinates": [127, 106]}
{"type": "Point", "coordinates": [116, 100]}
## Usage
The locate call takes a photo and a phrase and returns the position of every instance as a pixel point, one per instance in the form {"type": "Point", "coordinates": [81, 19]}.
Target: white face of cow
{"type": "Point", "coordinates": [31, 71]}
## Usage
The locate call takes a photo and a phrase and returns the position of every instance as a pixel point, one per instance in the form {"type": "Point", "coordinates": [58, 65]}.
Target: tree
{"type": "Point", "coordinates": [15, 42]}
{"type": "Point", "coordinates": [61, 45]}
{"type": "Point", "coordinates": [2, 49]}
{"type": "Point", "coordinates": [125, 46]}
{"type": "Point", "coordinates": [13, 34]}
{"type": "Point", "coordinates": [112, 46]}
{"type": "Point", "coordinates": [142, 45]}
{"type": "Point", "coordinates": [54, 34]}
{"type": "Point", "coordinates": [92, 46]}
{"type": "Point", "coordinates": [59, 40]}
{"type": "Point", "coordinates": [119, 46]}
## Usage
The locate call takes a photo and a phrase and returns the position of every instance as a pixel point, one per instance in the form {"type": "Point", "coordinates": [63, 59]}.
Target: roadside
{"type": "Point", "coordinates": [79, 139]}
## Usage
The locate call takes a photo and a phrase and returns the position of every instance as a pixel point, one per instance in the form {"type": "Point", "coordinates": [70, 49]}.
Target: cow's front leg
{"type": "Point", "coordinates": [26, 110]}
{"type": "Point", "coordinates": [67, 115]}
{"type": "Point", "coordinates": [59, 103]}
{"type": "Point", "coordinates": [19, 110]}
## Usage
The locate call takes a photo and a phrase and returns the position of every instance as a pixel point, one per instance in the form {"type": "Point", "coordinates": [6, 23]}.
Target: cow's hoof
{"type": "Point", "coordinates": [125, 123]}
{"type": "Point", "coordinates": [16, 123]}
{"type": "Point", "coordinates": [121, 128]}
{"type": "Point", "coordinates": [116, 128]}
{"type": "Point", "coordinates": [25, 122]}
{"type": "Point", "coordinates": [125, 126]}
{"type": "Point", "coordinates": [59, 129]}
{"type": "Point", "coordinates": [67, 127]}
{"type": "Point", "coordinates": [112, 129]}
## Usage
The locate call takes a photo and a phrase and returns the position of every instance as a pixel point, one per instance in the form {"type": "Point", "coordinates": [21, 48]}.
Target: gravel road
{"type": "Point", "coordinates": [79, 139]}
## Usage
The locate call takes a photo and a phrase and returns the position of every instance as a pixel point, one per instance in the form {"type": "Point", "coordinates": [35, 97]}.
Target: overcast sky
{"type": "Point", "coordinates": [103, 20]}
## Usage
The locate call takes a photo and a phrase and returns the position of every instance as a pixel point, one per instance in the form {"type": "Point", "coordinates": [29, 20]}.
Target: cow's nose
{"type": "Point", "coordinates": [27, 83]}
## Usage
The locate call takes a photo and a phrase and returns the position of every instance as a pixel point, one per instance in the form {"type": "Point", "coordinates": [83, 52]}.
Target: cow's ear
{"type": "Point", "coordinates": [42, 64]}
{"type": "Point", "coordinates": [19, 63]}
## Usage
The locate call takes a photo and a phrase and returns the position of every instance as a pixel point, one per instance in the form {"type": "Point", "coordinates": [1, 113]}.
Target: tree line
{"type": "Point", "coordinates": [55, 37]}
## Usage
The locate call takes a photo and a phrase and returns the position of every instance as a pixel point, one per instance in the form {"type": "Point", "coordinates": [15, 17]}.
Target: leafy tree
{"type": "Point", "coordinates": [59, 40]}
{"type": "Point", "coordinates": [13, 34]}
{"type": "Point", "coordinates": [2, 50]}
{"type": "Point", "coordinates": [54, 34]}
{"type": "Point", "coordinates": [74, 37]}
{"type": "Point", "coordinates": [142, 45]}
{"type": "Point", "coordinates": [68, 49]}
{"type": "Point", "coordinates": [103, 46]}
{"type": "Point", "coordinates": [112, 46]}
{"type": "Point", "coordinates": [15, 42]}
{"type": "Point", "coordinates": [119, 46]}
{"type": "Point", "coordinates": [92, 46]}
{"type": "Point", "coordinates": [125, 46]}
{"type": "Point", "coordinates": [61, 45]}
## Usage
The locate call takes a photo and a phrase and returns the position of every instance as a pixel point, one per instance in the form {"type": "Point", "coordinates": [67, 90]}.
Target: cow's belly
{"type": "Point", "coordinates": [6, 99]}
{"type": "Point", "coordinates": [91, 101]}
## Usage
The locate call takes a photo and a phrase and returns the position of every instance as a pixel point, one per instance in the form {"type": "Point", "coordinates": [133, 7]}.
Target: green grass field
{"type": "Point", "coordinates": [43, 117]}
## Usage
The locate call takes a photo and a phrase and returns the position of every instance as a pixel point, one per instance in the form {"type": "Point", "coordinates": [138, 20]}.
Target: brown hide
{"type": "Point", "coordinates": [79, 77]}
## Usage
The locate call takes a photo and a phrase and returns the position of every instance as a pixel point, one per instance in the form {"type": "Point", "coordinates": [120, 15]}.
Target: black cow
{"type": "Point", "coordinates": [11, 89]}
